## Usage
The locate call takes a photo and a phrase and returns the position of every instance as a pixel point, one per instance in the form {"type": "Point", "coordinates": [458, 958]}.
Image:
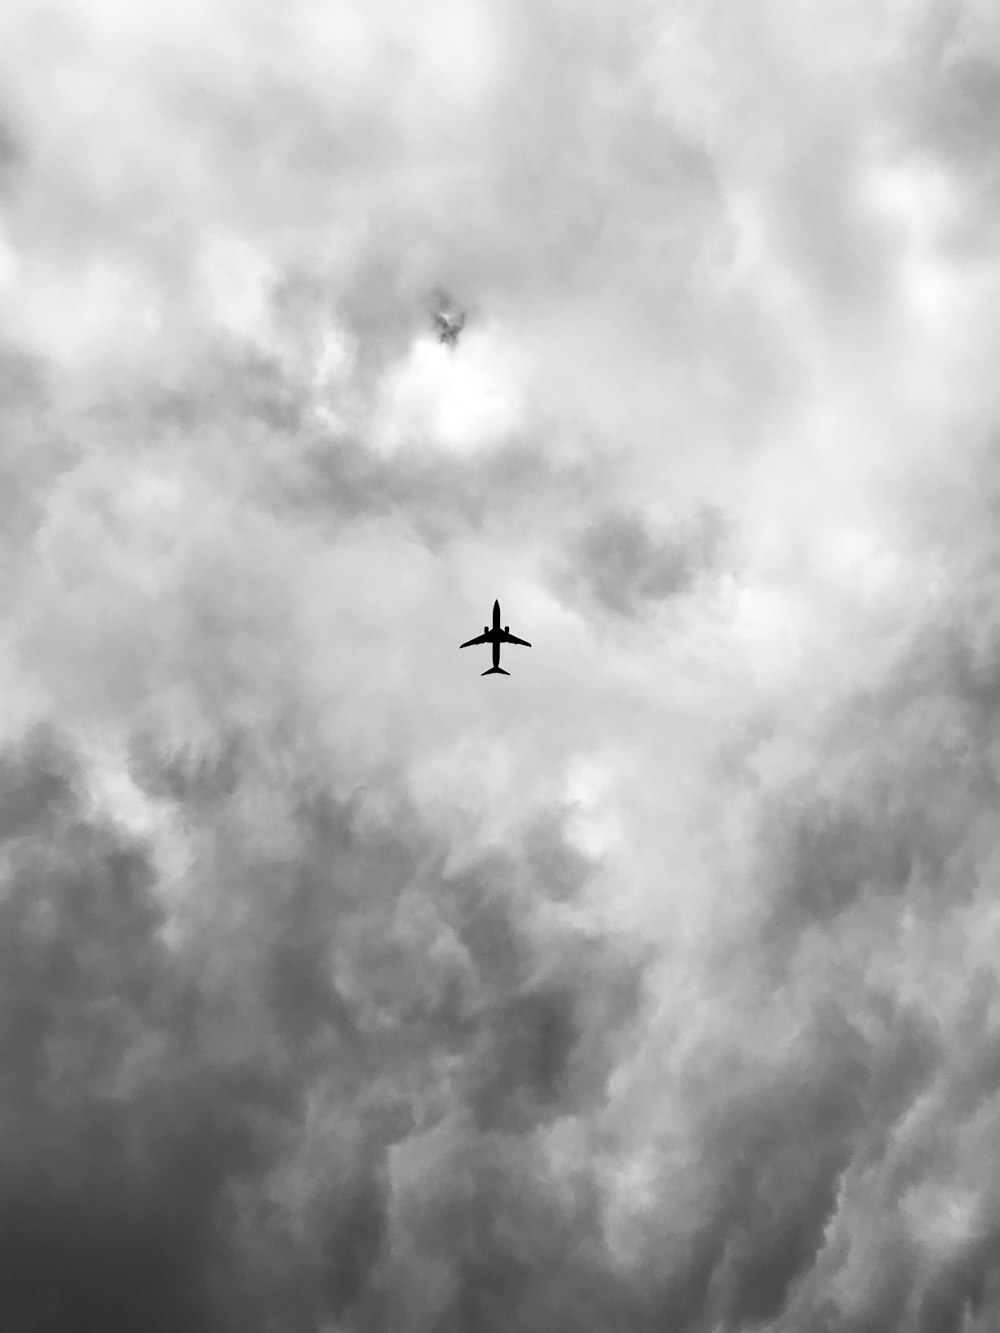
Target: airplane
{"type": "Point", "coordinates": [496, 636]}
{"type": "Point", "coordinates": [449, 326]}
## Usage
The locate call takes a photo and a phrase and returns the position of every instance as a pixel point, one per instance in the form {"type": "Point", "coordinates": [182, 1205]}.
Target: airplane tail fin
{"type": "Point", "coordinates": [495, 671]}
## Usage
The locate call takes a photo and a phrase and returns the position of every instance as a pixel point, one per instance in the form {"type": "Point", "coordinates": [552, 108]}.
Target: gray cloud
{"type": "Point", "coordinates": [625, 567]}
{"type": "Point", "coordinates": [656, 987]}
{"type": "Point", "coordinates": [155, 1100]}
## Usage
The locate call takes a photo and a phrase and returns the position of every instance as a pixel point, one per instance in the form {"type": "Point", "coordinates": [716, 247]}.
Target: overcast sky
{"type": "Point", "coordinates": [652, 987]}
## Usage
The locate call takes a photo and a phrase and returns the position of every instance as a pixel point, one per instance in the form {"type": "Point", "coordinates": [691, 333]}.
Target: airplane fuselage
{"type": "Point", "coordinates": [495, 635]}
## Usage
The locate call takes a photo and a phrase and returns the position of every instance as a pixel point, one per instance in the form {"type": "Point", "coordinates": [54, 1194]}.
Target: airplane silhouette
{"type": "Point", "coordinates": [496, 636]}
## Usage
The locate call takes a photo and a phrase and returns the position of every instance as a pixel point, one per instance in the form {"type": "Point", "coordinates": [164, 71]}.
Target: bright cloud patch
{"type": "Point", "coordinates": [460, 404]}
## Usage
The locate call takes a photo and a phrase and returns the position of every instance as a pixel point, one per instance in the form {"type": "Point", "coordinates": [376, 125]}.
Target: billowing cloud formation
{"type": "Point", "coordinates": [654, 986]}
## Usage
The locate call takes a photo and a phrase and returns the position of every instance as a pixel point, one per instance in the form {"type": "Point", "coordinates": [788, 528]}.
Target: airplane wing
{"type": "Point", "coordinates": [483, 638]}
{"type": "Point", "coordinates": [511, 638]}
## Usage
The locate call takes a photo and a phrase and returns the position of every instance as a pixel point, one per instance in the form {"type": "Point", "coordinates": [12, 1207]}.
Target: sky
{"type": "Point", "coordinates": [653, 986]}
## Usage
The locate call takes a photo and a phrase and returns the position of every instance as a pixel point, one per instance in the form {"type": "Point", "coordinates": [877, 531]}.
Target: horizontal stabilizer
{"type": "Point", "coordinates": [496, 671]}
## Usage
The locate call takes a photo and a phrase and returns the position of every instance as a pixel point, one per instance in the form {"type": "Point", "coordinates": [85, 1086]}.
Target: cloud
{"type": "Point", "coordinates": [627, 567]}
{"type": "Point", "coordinates": [653, 986]}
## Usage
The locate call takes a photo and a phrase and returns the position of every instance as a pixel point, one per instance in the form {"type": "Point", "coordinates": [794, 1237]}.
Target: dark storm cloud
{"type": "Point", "coordinates": [196, 1134]}
{"type": "Point", "coordinates": [113, 1150]}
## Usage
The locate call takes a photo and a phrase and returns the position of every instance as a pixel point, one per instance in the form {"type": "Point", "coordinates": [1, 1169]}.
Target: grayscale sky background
{"type": "Point", "coordinates": [654, 987]}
